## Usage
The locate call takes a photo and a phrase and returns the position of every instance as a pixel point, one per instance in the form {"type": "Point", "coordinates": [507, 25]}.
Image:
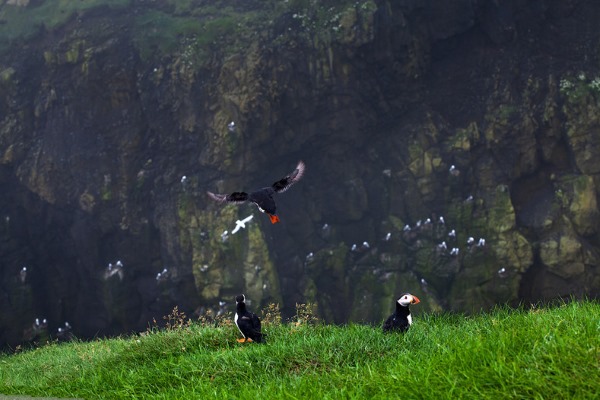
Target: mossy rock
{"type": "Point", "coordinates": [435, 267]}
{"type": "Point", "coordinates": [512, 250]}
{"type": "Point", "coordinates": [260, 275]}
{"type": "Point", "coordinates": [464, 139]}
{"type": "Point", "coordinates": [375, 293]}
{"type": "Point", "coordinates": [7, 75]}
{"type": "Point", "coordinates": [223, 267]}
{"type": "Point", "coordinates": [501, 213]}
{"type": "Point", "coordinates": [327, 271]}
{"type": "Point", "coordinates": [583, 205]}
{"type": "Point", "coordinates": [563, 254]}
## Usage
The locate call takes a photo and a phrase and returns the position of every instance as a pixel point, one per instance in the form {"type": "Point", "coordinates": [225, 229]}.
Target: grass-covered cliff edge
{"type": "Point", "coordinates": [538, 353]}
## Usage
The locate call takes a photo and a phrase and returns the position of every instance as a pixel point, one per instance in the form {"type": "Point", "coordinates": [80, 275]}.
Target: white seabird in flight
{"type": "Point", "coordinates": [241, 224]}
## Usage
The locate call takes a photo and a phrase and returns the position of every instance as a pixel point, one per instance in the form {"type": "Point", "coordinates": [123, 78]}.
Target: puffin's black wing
{"type": "Point", "coordinates": [388, 325]}
{"type": "Point", "coordinates": [249, 324]}
{"type": "Point", "coordinates": [235, 197]}
{"type": "Point", "coordinates": [284, 184]}
{"type": "Point", "coordinates": [395, 323]}
{"type": "Point", "coordinates": [245, 325]}
{"type": "Point", "coordinates": [255, 323]}
{"type": "Point", "coordinates": [258, 336]}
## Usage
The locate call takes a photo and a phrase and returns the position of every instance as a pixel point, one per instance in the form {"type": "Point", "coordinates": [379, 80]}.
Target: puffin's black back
{"type": "Point", "coordinates": [397, 321]}
{"type": "Point", "coordinates": [264, 199]}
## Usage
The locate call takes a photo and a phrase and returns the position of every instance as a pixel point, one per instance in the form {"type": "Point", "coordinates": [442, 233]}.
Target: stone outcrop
{"type": "Point", "coordinates": [485, 114]}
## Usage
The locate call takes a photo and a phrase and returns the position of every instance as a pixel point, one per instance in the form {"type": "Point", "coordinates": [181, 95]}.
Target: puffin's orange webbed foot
{"type": "Point", "coordinates": [274, 218]}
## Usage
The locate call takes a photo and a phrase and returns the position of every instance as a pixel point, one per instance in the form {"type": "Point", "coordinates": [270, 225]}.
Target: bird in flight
{"type": "Point", "coordinates": [241, 224]}
{"type": "Point", "coordinates": [263, 198]}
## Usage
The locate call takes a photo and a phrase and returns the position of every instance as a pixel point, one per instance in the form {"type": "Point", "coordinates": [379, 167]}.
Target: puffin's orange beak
{"type": "Point", "coordinates": [415, 300]}
{"type": "Point", "coordinates": [274, 218]}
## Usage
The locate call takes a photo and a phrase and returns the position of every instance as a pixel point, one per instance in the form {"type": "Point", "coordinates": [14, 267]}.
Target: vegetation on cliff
{"type": "Point", "coordinates": [536, 353]}
{"type": "Point", "coordinates": [194, 29]}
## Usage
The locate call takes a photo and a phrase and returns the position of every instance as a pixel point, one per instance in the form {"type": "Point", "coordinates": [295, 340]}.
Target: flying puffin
{"type": "Point", "coordinates": [247, 322]}
{"type": "Point", "coordinates": [401, 319]}
{"type": "Point", "coordinates": [263, 198]}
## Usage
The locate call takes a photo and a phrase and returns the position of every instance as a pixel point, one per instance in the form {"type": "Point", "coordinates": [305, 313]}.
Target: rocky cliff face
{"type": "Point", "coordinates": [482, 114]}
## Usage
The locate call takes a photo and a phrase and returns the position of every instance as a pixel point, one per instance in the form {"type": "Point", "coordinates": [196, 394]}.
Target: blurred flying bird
{"type": "Point", "coordinates": [263, 198]}
{"type": "Point", "coordinates": [454, 171]}
{"type": "Point", "coordinates": [23, 274]}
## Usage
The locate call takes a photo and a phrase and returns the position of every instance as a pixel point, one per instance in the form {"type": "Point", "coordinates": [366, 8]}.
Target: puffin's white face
{"type": "Point", "coordinates": [408, 299]}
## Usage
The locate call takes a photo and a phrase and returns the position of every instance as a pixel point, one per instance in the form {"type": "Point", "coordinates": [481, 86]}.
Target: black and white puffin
{"type": "Point", "coordinates": [401, 320]}
{"type": "Point", "coordinates": [247, 322]}
{"type": "Point", "coordinates": [263, 198]}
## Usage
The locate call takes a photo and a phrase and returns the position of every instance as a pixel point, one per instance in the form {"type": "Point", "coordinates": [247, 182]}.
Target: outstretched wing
{"type": "Point", "coordinates": [235, 197]}
{"type": "Point", "coordinates": [284, 184]}
{"type": "Point", "coordinates": [247, 219]}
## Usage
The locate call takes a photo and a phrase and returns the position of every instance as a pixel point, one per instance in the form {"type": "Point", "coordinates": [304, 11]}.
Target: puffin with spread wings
{"type": "Point", "coordinates": [263, 198]}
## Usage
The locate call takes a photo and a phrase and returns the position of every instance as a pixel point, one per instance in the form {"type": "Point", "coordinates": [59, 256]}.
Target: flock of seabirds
{"type": "Point", "coordinates": [247, 322]}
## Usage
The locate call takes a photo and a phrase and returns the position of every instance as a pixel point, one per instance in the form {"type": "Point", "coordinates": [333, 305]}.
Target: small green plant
{"type": "Point", "coordinates": [562, 198]}
{"type": "Point", "coordinates": [305, 314]}
{"type": "Point", "coordinates": [575, 88]}
{"type": "Point", "coordinates": [212, 319]}
{"type": "Point", "coordinates": [595, 84]}
{"type": "Point", "coordinates": [507, 111]}
{"type": "Point", "coordinates": [176, 320]}
{"type": "Point", "coordinates": [271, 314]}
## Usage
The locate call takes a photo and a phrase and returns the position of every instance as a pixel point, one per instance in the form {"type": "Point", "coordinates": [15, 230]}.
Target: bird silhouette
{"type": "Point", "coordinates": [401, 319]}
{"type": "Point", "coordinates": [247, 322]}
{"type": "Point", "coordinates": [263, 198]}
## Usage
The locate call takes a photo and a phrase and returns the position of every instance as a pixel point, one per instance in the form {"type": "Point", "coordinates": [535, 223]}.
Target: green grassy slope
{"type": "Point", "coordinates": [543, 353]}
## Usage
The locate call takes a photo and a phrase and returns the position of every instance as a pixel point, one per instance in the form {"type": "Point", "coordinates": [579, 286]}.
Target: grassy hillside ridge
{"type": "Point", "coordinates": [175, 26]}
{"type": "Point", "coordinates": [539, 353]}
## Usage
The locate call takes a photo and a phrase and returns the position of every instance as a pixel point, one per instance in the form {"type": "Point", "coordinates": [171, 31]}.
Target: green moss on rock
{"type": "Point", "coordinates": [465, 138]}
{"type": "Point", "coordinates": [222, 268]}
{"type": "Point", "coordinates": [501, 213]}
{"type": "Point", "coordinates": [512, 250]}
{"type": "Point", "coordinates": [563, 254]}
{"type": "Point", "coordinates": [6, 75]}
{"type": "Point", "coordinates": [328, 274]}
{"type": "Point", "coordinates": [583, 209]}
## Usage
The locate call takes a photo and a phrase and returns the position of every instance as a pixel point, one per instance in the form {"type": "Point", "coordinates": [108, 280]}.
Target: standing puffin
{"type": "Point", "coordinates": [401, 319]}
{"type": "Point", "coordinates": [263, 198]}
{"type": "Point", "coordinates": [247, 322]}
